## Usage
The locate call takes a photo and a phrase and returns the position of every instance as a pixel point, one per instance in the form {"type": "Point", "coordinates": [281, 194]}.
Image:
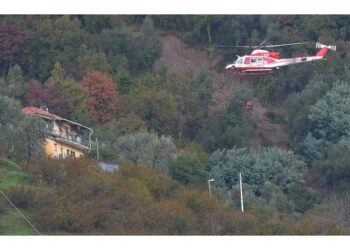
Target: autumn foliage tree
{"type": "Point", "coordinates": [47, 96]}
{"type": "Point", "coordinates": [102, 96]}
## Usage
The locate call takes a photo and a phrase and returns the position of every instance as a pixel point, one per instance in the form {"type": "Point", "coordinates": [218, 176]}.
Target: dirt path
{"type": "Point", "coordinates": [177, 55]}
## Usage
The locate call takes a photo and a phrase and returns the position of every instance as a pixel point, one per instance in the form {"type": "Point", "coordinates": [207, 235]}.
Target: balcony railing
{"type": "Point", "coordinates": [77, 139]}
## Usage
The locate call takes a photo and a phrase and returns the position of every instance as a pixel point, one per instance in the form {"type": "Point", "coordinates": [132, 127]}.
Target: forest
{"type": "Point", "coordinates": [162, 106]}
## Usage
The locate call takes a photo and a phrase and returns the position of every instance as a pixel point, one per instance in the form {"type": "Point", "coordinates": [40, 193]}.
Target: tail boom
{"type": "Point", "coordinates": [324, 49]}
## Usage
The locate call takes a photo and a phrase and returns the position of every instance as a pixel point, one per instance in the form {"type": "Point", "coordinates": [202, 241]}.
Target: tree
{"type": "Point", "coordinates": [95, 23]}
{"type": "Point", "coordinates": [12, 40]}
{"type": "Point", "coordinates": [329, 124]}
{"type": "Point", "coordinates": [282, 168]}
{"type": "Point", "coordinates": [53, 40]}
{"type": "Point", "coordinates": [330, 116]}
{"type": "Point", "coordinates": [335, 165]}
{"type": "Point", "coordinates": [14, 84]}
{"type": "Point", "coordinates": [47, 96]}
{"type": "Point", "coordinates": [10, 117]}
{"type": "Point", "coordinates": [298, 106]}
{"type": "Point", "coordinates": [158, 109]}
{"type": "Point", "coordinates": [32, 138]}
{"type": "Point", "coordinates": [119, 47]}
{"type": "Point", "coordinates": [188, 169]}
{"type": "Point", "coordinates": [148, 149]}
{"type": "Point", "coordinates": [102, 96]}
{"type": "Point", "coordinates": [90, 60]}
{"type": "Point", "coordinates": [192, 97]}
{"type": "Point", "coordinates": [149, 42]}
{"type": "Point", "coordinates": [61, 95]}
{"type": "Point", "coordinates": [21, 137]}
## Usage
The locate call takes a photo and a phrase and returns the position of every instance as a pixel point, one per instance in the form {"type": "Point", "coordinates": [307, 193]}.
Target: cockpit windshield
{"type": "Point", "coordinates": [239, 60]}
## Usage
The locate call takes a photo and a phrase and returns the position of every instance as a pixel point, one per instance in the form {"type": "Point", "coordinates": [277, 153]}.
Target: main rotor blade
{"type": "Point", "coordinates": [233, 46]}
{"type": "Point", "coordinates": [260, 45]}
{"type": "Point", "coordinates": [217, 50]}
{"type": "Point", "coordinates": [281, 45]}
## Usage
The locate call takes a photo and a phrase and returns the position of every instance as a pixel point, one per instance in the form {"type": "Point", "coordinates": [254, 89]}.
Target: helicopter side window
{"type": "Point", "coordinates": [252, 60]}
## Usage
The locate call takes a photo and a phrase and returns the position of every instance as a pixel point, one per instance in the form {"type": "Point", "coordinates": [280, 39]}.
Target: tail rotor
{"type": "Point", "coordinates": [321, 46]}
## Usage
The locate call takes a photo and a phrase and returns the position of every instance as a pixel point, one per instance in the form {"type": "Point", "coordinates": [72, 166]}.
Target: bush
{"type": "Point", "coordinates": [3, 205]}
{"type": "Point", "coordinates": [82, 216]}
{"type": "Point", "coordinates": [304, 198]}
{"type": "Point", "coordinates": [178, 225]}
{"type": "Point", "coordinates": [22, 196]}
{"type": "Point", "coordinates": [238, 223]}
{"type": "Point", "coordinates": [313, 224]}
{"type": "Point", "coordinates": [188, 170]}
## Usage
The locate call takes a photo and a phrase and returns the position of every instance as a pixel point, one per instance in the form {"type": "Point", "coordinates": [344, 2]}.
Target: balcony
{"type": "Point", "coordinates": [71, 139]}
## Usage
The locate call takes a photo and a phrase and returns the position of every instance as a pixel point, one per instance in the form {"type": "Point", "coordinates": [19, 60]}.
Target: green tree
{"type": "Point", "coordinates": [192, 97]}
{"type": "Point", "coordinates": [89, 60]}
{"type": "Point", "coordinates": [10, 118]}
{"type": "Point", "coordinates": [282, 168]}
{"type": "Point", "coordinates": [149, 42]}
{"type": "Point", "coordinates": [32, 137]}
{"type": "Point", "coordinates": [330, 116]}
{"type": "Point", "coordinates": [158, 109]}
{"type": "Point", "coordinates": [329, 123]}
{"type": "Point", "coordinates": [53, 40]}
{"type": "Point", "coordinates": [188, 169]}
{"type": "Point", "coordinates": [21, 137]}
{"type": "Point", "coordinates": [335, 165]}
{"type": "Point", "coordinates": [148, 149]}
{"type": "Point", "coordinates": [15, 83]}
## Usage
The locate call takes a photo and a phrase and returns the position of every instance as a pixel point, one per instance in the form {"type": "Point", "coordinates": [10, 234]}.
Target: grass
{"type": "Point", "coordinates": [11, 223]}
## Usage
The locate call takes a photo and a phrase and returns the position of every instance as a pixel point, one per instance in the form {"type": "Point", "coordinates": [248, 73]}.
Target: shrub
{"type": "Point", "coordinates": [22, 196]}
{"type": "Point", "coordinates": [3, 205]}
{"type": "Point", "coordinates": [188, 170]}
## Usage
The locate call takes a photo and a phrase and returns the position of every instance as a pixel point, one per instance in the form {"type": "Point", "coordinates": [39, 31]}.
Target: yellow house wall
{"type": "Point", "coordinates": [50, 148]}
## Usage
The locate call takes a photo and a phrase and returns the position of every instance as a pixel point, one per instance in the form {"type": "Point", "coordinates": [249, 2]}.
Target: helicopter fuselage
{"type": "Point", "coordinates": [262, 62]}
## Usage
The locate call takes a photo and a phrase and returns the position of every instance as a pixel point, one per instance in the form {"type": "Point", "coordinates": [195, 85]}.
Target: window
{"type": "Point", "coordinates": [55, 147]}
{"type": "Point", "coordinates": [252, 60]}
{"type": "Point", "coordinates": [239, 60]}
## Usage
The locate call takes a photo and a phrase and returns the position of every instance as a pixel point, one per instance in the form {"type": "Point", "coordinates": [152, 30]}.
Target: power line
{"type": "Point", "coordinates": [19, 211]}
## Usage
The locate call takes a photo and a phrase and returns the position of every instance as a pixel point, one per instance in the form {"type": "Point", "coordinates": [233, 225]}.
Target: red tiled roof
{"type": "Point", "coordinates": [38, 111]}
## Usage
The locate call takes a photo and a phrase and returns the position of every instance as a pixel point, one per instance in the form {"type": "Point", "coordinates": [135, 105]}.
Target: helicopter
{"type": "Point", "coordinates": [263, 62]}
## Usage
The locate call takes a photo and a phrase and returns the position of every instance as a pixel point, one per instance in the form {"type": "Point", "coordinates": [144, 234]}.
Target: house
{"type": "Point", "coordinates": [63, 138]}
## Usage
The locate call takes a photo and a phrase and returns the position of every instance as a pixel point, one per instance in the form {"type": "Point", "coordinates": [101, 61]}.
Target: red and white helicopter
{"type": "Point", "coordinates": [262, 62]}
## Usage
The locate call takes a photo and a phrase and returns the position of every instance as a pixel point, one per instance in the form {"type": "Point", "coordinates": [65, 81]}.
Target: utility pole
{"type": "Point", "coordinates": [209, 186]}
{"type": "Point", "coordinates": [240, 185]}
{"type": "Point", "coordinates": [97, 153]}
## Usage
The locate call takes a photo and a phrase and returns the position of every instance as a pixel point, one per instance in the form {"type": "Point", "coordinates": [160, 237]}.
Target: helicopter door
{"type": "Point", "coordinates": [260, 61]}
{"type": "Point", "coordinates": [253, 61]}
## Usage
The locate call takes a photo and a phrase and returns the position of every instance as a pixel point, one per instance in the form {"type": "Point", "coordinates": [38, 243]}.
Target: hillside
{"type": "Point", "coordinates": [142, 94]}
{"type": "Point", "coordinates": [179, 56]}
